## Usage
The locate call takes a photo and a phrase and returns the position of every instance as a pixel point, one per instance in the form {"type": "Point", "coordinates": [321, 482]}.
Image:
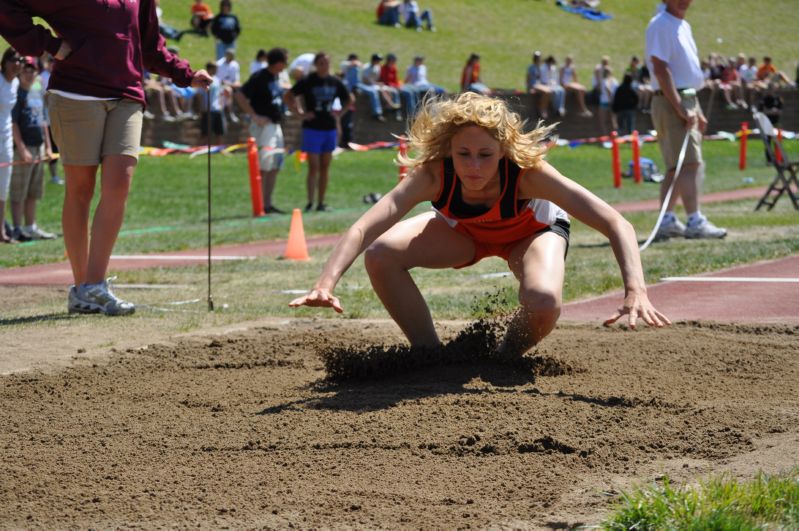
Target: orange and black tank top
{"type": "Point", "coordinates": [508, 219]}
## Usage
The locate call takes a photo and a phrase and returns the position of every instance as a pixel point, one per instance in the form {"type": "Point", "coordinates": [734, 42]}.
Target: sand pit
{"type": "Point", "coordinates": [242, 430]}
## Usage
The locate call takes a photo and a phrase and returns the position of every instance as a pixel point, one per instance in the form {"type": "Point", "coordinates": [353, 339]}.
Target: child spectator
{"type": "Point", "coordinates": [640, 77]}
{"type": "Point", "coordinates": [260, 62]}
{"type": "Point", "coordinates": [225, 27]}
{"type": "Point", "coordinates": [470, 77]}
{"type": "Point", "coordinates": [370, 79]}
{"type": "Point", "coordinates": [607, 88]}
{"type": "Point", "coordinates": [201, 17]}
{"type": "Point", "coordinates": [9, 83]}
{"type": "Point", "coordinates": [229, 73]}
{"type": "Point", "coordinates": [568, 80]}
{"type": "Point", "coordinates": [215, 112]}
{"type": "Point", "coordinates": [390, 77]}
{"type": "Point", "coordinates": [388, 13]}
{"type": "Point", "coordinates": [551, 79]}
{"type": "Point", "coordinates": [33, 148]}
{"type": "Point", "coordinates": [768, 72]}
{"type": "Point", "coordinates": [414, 17]}
{"type": "Point", "coordinates": [46, 65]}
{"type": "Point", "coordinates": [625, 103]}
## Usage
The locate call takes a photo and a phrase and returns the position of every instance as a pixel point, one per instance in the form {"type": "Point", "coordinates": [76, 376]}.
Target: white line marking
{"type": "Point", "coordinates": [728, 279]}
{"type": "Point", "coordinates": [152, 286]}
{"type": "Point", "coordinates": [168, 258]}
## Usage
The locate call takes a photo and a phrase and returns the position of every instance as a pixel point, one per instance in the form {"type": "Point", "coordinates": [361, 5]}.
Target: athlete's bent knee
{"type": "Point", "coordinates": [540, 302]}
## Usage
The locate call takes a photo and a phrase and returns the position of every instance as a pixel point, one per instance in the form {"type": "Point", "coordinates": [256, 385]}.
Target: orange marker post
{"type": "Point", "coordinates": [616, 159]}
{"type": "Point", "coordinates": [255, 178]}
{"type": "Point", "coordinates": [403, 150]}
{"type": "Point", "coordinates": [742, 153]}
{"type": "Point", "coordinates": [636, 158]}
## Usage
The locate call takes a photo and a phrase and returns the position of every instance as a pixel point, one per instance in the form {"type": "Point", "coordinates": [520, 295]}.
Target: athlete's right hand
{"type": "Point", "coordinates": [318, 297]}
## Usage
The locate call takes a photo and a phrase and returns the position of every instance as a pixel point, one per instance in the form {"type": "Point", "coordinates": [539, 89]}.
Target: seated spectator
{"type": "Point", "coordinates": [370, 80]}
{"type": "Point", "coordinates": [747, 72]}
{"type": "Point", "coordinates": [225, 27]}
{"type": "Point", "coordinates": [771, 105]}
{"type": "Point", "coordinates": [388, 13]}
{"type": "Point", "coordinates": [537, 87]}
{"type": "Point", "coordinates": [161, 98]}
{"type": "Point", "coordinates": [470, 77]}
{"type": "Point", "coordinates": [568, 80]}
{"type": "Point", "coordinates": [168, 31]}
{"type": "Point", "coordinates": [260, 62]}
{"type": "Point", "coordinates": [390, 77]}
{"type": "Point", "coordinates": [32, 142]}
{"type": "Point", "coordinates": [410, 14]}
{"type": "Point", "coordinates": [550, 78]}
{"type": "Point", "coordinates": [767, 73]}
{"type": "Point", "coordinates": [301, 66]}
{"type": "Point", "coordinates": [229, 73]}
{"type": "Point", "coordinates": [201, 17]}
{"type": "Point", "coordinates": [416, 77]}
{"type": "Point", "coordinates": [731, 86]}
{"type": "Point", "coordinates": [625, 104]}
{"type": "Point", "coordinates": [640, 82]}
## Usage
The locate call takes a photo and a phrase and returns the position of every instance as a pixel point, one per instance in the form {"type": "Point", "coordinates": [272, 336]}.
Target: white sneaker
{"type": "Point", "coordinates": [674, 229]}
{"type": "Point", "coordinates": [704, 229]}
{"type": "Point", "coordinates": [97, 298]}
{"type": "Point", "coordinates": [35, 233]}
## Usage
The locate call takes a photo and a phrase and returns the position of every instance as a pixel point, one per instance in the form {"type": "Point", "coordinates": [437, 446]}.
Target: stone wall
{"type": "Point", "coordinates": [367, 129]}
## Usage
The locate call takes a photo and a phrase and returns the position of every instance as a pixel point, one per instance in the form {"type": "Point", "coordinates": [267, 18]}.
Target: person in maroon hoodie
{"type": "Point", "coordinates": [95, 99]}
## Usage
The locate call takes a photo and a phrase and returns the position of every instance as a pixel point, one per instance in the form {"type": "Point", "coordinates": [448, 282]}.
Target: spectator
{"type": "Point", "coordinates": [551, 78]}
{"type": "Point", "coordinates": [607, 120]}
{"type": "Point", "coordinates": [370, 80]}
{"type": "Point", "coordinates": [229, 73]}
{"type": "Point", "coordinates": [731, 86]}
{"type": "Point", "coordinates": [390, 78]}
{"type": "Point", "coordinates": [260, 62]}
{"type": "Point", "coordinates": [213, 114]}
{"type": "Point", "coordinates": [9, 85]}
{"type": "Point", "coordinates": [676, 114]}
{"type": "Point", "coordinates": [96, 119]}
{"type": "Point", "coordinates": [225, 27]}
{"type": "Point", "coordinates": [168, 31]}
{"type": "Point", "coordinates": [261, 98]}
{"type": "Point", "coordinates": [312, 100]}
{"type": "Point", "coordinates": [640, 82]}
{"type": "Point", "coordinates": [301, 66]}
{"type": "Point", "coordinates": [416, 78]}
{"type": "Point", "coordinates": [747, 72]}
{"type": "Point", "coordinates": [771, 105]}
{"type": "Point", "coordinates": [351, 73]}
{"type": "Point", "coordinates": [46, 62]}
{"type": "Point", "coordinates": [569, 82]}
{"type": "Point", "coordinates": [388, 13]}
{"type": "Point", "coordinates": [414, 19]}
{"type": "Point", "coordinates": [470, 77]}
{"type": "Point", "coordinates": [537, 87]}
{"type": "Point", "coordinates": [625, 105]}
{"type": "Point", "coordinates": [201, 17]}
{"type": "Point", "coordinates": [33, 148]}
{"type": "Point", "coordinates": [599, 73]}
{"type": "Point", "coordinates": [767, 73]}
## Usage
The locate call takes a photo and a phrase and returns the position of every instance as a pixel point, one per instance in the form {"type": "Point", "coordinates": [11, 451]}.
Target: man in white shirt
{"type": "Point", "coordinates": [672, 58]}
{"type": "Point", "coordinates": [229, 74]}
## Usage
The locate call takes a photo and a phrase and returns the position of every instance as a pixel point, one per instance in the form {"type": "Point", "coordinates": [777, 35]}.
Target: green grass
{"type": "Point", "coordinates": [504, 32]}
{"type": "Point", "coordinates": [766, 502]}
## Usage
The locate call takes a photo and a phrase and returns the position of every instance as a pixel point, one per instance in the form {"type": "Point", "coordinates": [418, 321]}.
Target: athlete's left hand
{"type": "Point", "coordinates": [201, 79]}
{"type": "Point", "coordinates": [636, 304]}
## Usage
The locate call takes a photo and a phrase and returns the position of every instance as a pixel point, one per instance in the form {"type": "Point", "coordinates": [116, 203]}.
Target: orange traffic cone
{"type": "Point", "coordinates": [296, 248]}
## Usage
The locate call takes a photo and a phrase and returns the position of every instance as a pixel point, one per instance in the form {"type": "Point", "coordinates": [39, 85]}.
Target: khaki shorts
{"type": "Point", "coordinates": [27, 180]}
{"type": "Point", "coordinates": [270, 137]}
{"type": "Point", "coordinates": [671, 131]}
{"type": "Point", "coordinates": [87, 131]}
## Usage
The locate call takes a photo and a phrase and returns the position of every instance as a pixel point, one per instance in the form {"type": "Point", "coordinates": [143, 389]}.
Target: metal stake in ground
{"type": "Point", "coordinates": [208, 132]}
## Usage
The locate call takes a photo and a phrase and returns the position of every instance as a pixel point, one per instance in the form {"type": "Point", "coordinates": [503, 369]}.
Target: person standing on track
{"type": "Point", "coordinates": [493, 195]}
{"type": "Point", "coordinates": [671, 55]}
{"type": "Point", "coordinates": [96, 99]}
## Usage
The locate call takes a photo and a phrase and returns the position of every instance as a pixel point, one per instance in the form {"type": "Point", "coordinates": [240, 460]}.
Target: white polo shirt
{"type": "Point", "coordinates": [228, 72]}
{"type": "Point", "coordinates": [670, 39]}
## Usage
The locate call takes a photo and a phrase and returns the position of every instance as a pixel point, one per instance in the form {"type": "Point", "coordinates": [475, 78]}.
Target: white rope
{"type": "Point", "coordinates": [666, 199]}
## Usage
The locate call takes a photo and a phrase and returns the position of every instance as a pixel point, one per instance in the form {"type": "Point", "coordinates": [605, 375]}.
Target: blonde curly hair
{"type": "Point", "coordinates": [438, 120]}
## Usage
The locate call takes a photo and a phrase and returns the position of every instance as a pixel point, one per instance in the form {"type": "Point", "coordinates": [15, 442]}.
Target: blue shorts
{"type": "Point", "coordinates": [316, 141]}
{"type": "Point", "coordinates": [184, 92]}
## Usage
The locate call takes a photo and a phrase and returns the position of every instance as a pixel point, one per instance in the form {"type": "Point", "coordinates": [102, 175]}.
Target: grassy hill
{"type": "Point", "coordinates": [504, 32]}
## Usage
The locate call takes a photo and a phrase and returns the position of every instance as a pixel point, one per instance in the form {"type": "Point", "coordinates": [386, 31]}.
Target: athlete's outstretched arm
{"type": "Point", "coordinates": [421, 185]}
{"type": "Point", "coordinates": [546, 182]}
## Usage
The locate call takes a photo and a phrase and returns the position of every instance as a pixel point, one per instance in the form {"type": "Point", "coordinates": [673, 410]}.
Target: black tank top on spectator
{"type": "Point", "coordinates": [318, 94]}
{"type": "Point", "coordinates": [265, 95]}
